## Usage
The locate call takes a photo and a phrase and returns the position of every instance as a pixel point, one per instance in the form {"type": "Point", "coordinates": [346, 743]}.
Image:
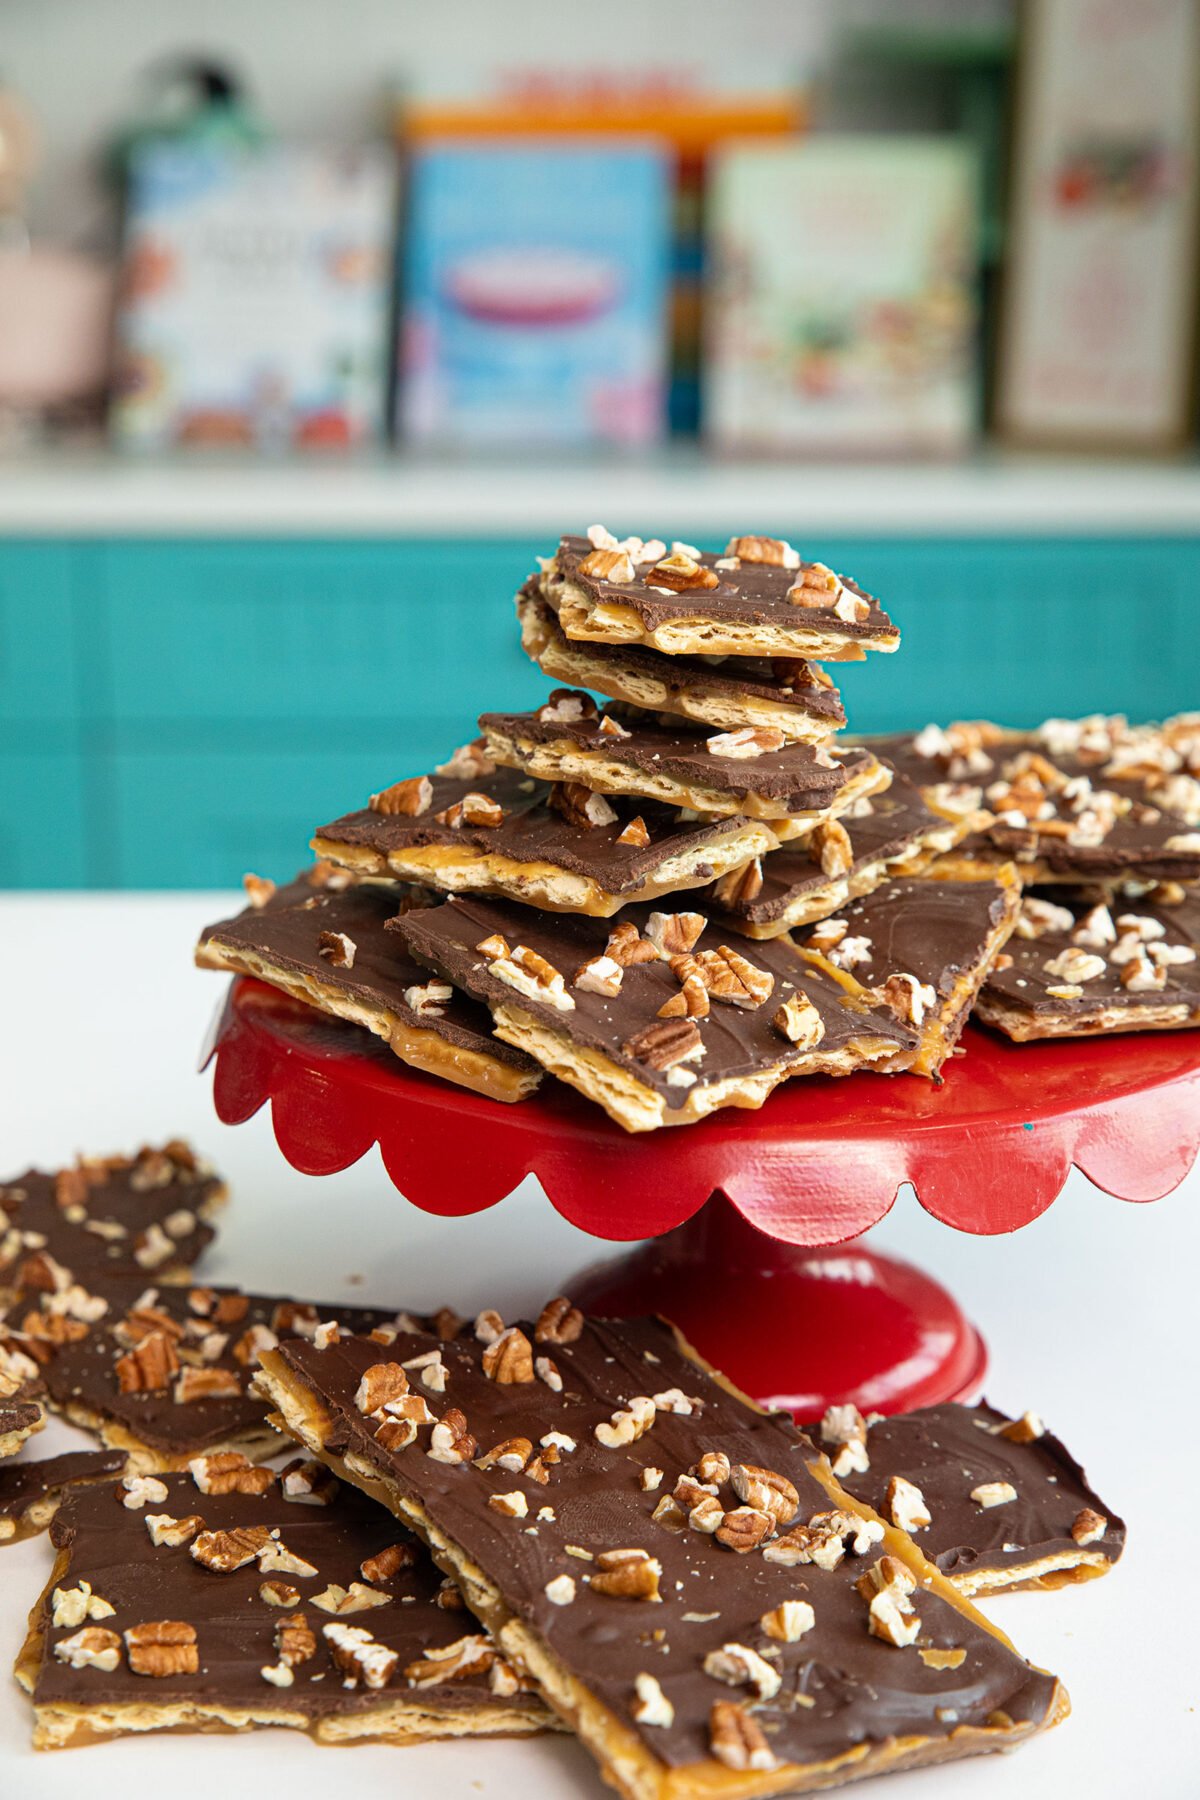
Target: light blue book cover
{"type": "Point", "coordinates": [537, 280]}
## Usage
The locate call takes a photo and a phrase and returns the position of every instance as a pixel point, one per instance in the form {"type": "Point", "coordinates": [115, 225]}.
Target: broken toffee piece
{"type": "Point", "coordinates": [1078, 968]}
{"type": "Point", "coordinates": [19, 1419]}
{"type": "Point", "coordinates": [163, 1374]}
{"type": "Point", "coordinates": [758, 598]}
{"type": "Point", "coordinates": [1007, 1504]}
{"type": "Point", "coordinates": [923, 947]}
{"type": "Point", "coordinates": [750, 771]}
{"type": "Point", "coordinates": [327, 947]}
{"type": "Point", "coordinates": [563, 849]}
{"type": "Point", "coordinates": [665, 1559]}
{"type": "Point", "coordinates": [124, 1215]}
{"type": "Point", "coordinates": [1088, 800]}
{"type": "Point", "coordinates": [185, 1605]}
{"type": "Point", "coordinates": [32, 1488]}
{"type": "Point", "coordinates": [658, 1017]}
{"type": "Point", "coordinates": [891, 834]}
{"type": "Point", "coordinates": [786, 694]}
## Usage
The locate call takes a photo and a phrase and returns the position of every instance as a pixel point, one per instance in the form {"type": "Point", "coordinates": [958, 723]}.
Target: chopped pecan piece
{"type": "Point", "coordinates": [830, 848]}
{"type": "Point", "coordinates": [825, 1540]}
{"type": "Point", "coordinates": [530, 974]}
{"type": "Point", "coordinates": [627, 1424]}
{"type": "Point", "coordinates": [513, 1506]}
{"type": "Point", "coordinates": [679, 571]}
{"type": "Point", "coordinates": [468, 763]}
{"type": "Point", "coordinates": [627, 946]}
{"type": "Point", "coordinates": [388, 1562]}
{"type": "Point", "coordinates": [137, 1491]}
{"type": "Point", "coordinates": [740, 1666]}
{"type": "Point", "coordinates": [844, 1429]}
{"type": "Point", "coordinates": [488, 1325]}
{"type": "Point", "coordinates": [566, 706]}
{"type": "Point", "coordinates": [356, 1598]}
{"type": "Point", "coordinates": [206, 1384]}
{"type": "Point", "coordinates": [71, 1606]}
{"type": "Point", "coordinates": [380, 1383]}
{"type": "Point", "coordinates": [765, 1489]}
{"type": "Point", "coordinates": [164, 1529]}
{"type": "Point", "coordinates": [635, 834]}
{"type": "Point", "coordinates": [662, 1046]}
{"type": "Point", "coordinates": [745, 1528]}
{"type": "Point", "coordinates": [229, 1472]}
{"type": "Point", "coordinates": [225, 1551]}
{"type": "Point", "coordinates": [278, 1593]}
{"type": "Point", "coordinates": [627, 1575]}
{"type": "Point", "coordinates": [888, 1587]}
{"type": "Point", "coordinates": [800, 1021]}
{"type": "Point", "coordinates": [511, 1453]}
{"type": "Point", "coordinates": [1088, 1525]}
{"type": "Point", "coordinates": [148, 1367]}
{"type": "Point", "coordinates": [95, 1647]}
{"type": "Point", "coordinates": [904, 1504]}
{"type": "Point", "coordinates": [740, 886]}
{"type": "Point", "coordinates": [652, 1706]}
{"type": "Point", "coordinates": [580, 806]}
{"type": "Point", "coordinates": [308, 1483]}
{"type": "Point", "coordinates": [294, 1640]}
{"type": "Point", "coordinates": [337, 949]}
{"type": "Point", "coordinates": [608, 565]}
{"type": "Point", "coordinates": [730, 978]}
{"type": "Point", "coordinates": [788, 1622]}
{"type": "Point", "coordinates": [408, 798]}
{"type": "Point", "coordinates": [993, 1493]}
{"type": "Point", "coordinates": [510, 1358]}
{"type": "Point", "coordinates": [674, 934]}
{"type": "Point", "coordinates": [472, 809]}
{"type": "Point", "coordinates": [558, 1322]}
{"type": "Point", "coordinates": [736, 1739]}
{"type": "Point", "coordinates": [466, 1656]}
{"type": "Point", "coordinates": [691, 1002]}
{"type": "Point", "coordinates": [744, 744]}
{"type": "Point", "coordinates": [258, 890]}
{"type": "Point", "coordinates": [162, 1647]}
{"type": "Point", "coordinates": [600, 975]}
{"type": "Point", "coordinates": [450, 1441]}
{"type": "Point", "coordinates": [359, 1656]}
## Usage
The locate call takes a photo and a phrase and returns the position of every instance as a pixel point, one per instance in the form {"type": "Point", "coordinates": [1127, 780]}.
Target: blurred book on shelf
{"type": "Point", "coordinates": [256, 297]}
{"type": "Point", "coordinates": [536, 282]}
{"type": "Point", "coordinates": [842, 297]}
{"type": "Point", "coordinates": [688, 111]}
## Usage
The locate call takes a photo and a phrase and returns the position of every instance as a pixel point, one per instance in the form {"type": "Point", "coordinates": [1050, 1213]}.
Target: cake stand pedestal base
{"type": "Point", "coordinates": [795, 1327]}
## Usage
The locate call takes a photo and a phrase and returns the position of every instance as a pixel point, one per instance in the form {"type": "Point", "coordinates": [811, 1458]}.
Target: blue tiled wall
{"type": "Point", "coordinates": [175, 712]}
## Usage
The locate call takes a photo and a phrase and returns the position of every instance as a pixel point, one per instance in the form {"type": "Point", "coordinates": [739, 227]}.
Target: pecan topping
{"type": "Point", "coordinates": [904, 1504]}
{"type": "Point", "coordinates": [627, 1424]}
{"type": "Point", "coordinates": [740, 886]}
{"type": "Point", "coordinates": [450, 1441]}
{"type": "Point", "coordinates": [580, 806]}
{"type": "Point", "coordinates": [472, 809]}
{"type": "Point", "coordinates": [71, 1606]}
{"type": "Point", "coordinates": [258, 892]}
{"type": "Point", "coordinates": [608, 565]}
{"type": "Point", "coordinates": [510, 1358]}
{"type": "Point", "coordinates": [530, 974]}
{"type": "Point", "coordinates": [94, 1647]}
{"type": "Point", "coordinates": [468, 763]}
{"type": "Point", "coordinates": [691, 1002]}
{"type": "Point", "coordinates": [380, 1383]}
{"type": "Point", "coordinates": [308, 1483]}
{"type": "Point", "coordinates": [745, 1528]}
{"type": "Point", "coordinates": [164, 1529]}
{"type": "Point", "coordinates": [788, 1622]}
{"type": "Point", "coordinates": [775, 551]}
{"type": "Point", "coordinates": [513, 1506]}
{"type": "Point", "coordinates": [229, 1472]}
{"type": "Point", "coordinates": [225, 1551]}
{"type": "Point", "coordinates": [429, 999]}
{"type": "Point", "coordinates": [488, 1325]}
{"type": "Point", "coordinates": [337, 949]}
{"type": "Point", "coordinates": [1088, 1525]}
{"type": "Point", "coordinates": [662, 1046]}
{"type": "Point", "coordinates": [679, 571]}
{"type": "Point", "coordinates": [830, 848]}
{"type": "Point", "coordinates": [355, 1598]}
{"type": "Point", "coordinates": [746, 743]}
{"type": "Point", "coordinates": [137, 1491]}
{"type": "Point", "coordinates": [765, 1489]}
{"type": "Point", "coordinates": [1025, 1430]}
{"type": "Point", "coordinates": [511, 1453]}
{"type": "Point", "coordinates": [558, 1322]}
{"type": "Point", "coordinates": [560, 1591]}
{"type": "Point", "coordinates": [600, 975]}
{"type": "Point", "coordinates": [730, 978]}
{"type": "Point", "coordinates": [740, 1666]}
{"type": "Point", "coordinates": [888, 1586]}
{"type": "Point", "coordinates": [635, 833]}
{"type": "Point", "coordinates": [627, 946]}
{"type": "Point", "coordinates": [845, 1430]}
{"type": "Point", "coordinates": [566, 706]}
{"type": "Point", "coordinates": [652, 1706]}
{"type": "Point", "coordinates": [825, 1540]}
{"type": "Point", "coordinates": [162, 1647]}
{"type": "Point", "coordinates": [736, 1739]}
{"type": "Point", "coordinates": [278, 1593]}
{"type": "Point", "coordinates": [713, 1466]}
{"type": "Point", "coordinates": [409, 798]}
{"type": "Point", "coordinates": [627, 1575]}
{"type": "Point", "coordinates": [148, 1367]}
{"type": "Point", "coordinates": [466, 1656]}
{"type": "Point", "coordinates": [294, 1640]}
{"type": "Point", "coordinates": [993, 1493]}
{"type": "Point", "coordinates": [359, 1656]}
{"type": "Point", "coordinates": [800, 1021]}
{"type": "Point", "coordinates": [206, 1384]}
{"type": "Point", "coordinates": [388, 1562]}
{"type": "Point", "coordinates": [674, 934]}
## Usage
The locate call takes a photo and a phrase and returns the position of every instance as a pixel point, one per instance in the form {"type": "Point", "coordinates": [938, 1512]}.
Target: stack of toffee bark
{"type": "Point", "coordinates": [371, 1525]}
{"type": "Point", "coordinates": [609, 892]}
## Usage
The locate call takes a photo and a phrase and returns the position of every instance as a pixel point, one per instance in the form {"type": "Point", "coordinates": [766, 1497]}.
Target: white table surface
{"type": "Point", "coordinates": [1090, 1314]}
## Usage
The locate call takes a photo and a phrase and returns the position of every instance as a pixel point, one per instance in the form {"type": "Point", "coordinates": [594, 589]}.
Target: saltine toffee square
{"type": "Point", "coordinates": [617, 750]}
{"type": "Point", "coordinates": [557, 846]}
{"type": "Point", "coordinates": [759, 598]}
{"type": "Point", "coordinates": [322, 940]}
{"type": "Point", "coordinates": [680, 1572]}
{"type": "Point", "coordinates": [659, 1017]}
{"type": "Point", "coordinates": [164, 1373]}
{"type": "Point", "coordinates": [20, 1415]}
{"type": "Point", "coordinates": [149, 1214]}
{"type": "Point", "coordinates": [877, 839]}
{"type": "Point", "coordinates": [228, 1598]}
{"type": "Point", "coordinates": [32, 1488]}
{"type": "Point", "coordinates": [785, 694]}
{"type": "Point", "coordinates": [923, 946]}
{"type": "Point", "coordinates": [1076, 800]}
{"type": "Point", "coordinates": [997, 1503]}
{"type": "Point", "coordinates": [1081, 968]}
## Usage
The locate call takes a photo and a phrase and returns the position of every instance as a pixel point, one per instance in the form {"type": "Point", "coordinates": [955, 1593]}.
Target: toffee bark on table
{"type": "Point", "coordinates": [763, 601]}
{"type": "Point", "coordinates": [615, 751]}
{"type": "Point", "coordinates": [926, 946]}
{"type": "Point", "coordinates": [562, 850]}
{"type": "Point", "coordinates": [150, 1213]}
{"type": "Point", "coordinates": [328, 947]}
{"type": "Point", "coordinates": [1080, 968]}
{"type": "Point", "coordinates": [32, 1488]}
{"type": "Point", "coordinates": [787, 694]}
{"type": "Point", "coordinates": [879, 838]}
{"type": "Point", "coordinates": [600, 1026]}
{"type": "Point", "coordinates": [1008, 1506]}
{"type": "Point", "coordinates": [241, 1591]}
{"type": "Point", "coordinates": [570, 1500]}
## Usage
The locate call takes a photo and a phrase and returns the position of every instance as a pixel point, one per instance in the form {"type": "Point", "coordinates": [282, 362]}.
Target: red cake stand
{"type": "Point", "coordinates": [752, 1213]}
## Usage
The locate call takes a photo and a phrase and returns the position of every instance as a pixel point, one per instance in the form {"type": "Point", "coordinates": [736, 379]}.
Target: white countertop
{"type": "Point", "coordinates": [103, 495]}
{"type": "Point", "coordinates": [1090, 1315]}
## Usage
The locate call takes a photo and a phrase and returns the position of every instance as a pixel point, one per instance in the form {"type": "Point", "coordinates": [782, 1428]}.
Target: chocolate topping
{"type": "Point", "coordinates": [948, 1452]}
{"type": "Point", "coordinates": [121, 1215]}
{"type": "Point", "coordinates": [287, 932]}
{"type": "Point", "coordinates": [782, 682]}
{"type": "Point", "coordinates": [840, 1687]}
{"type": "Point", "coordinates": [752, 593]}
{"type": "Point", "coordinates": [32, 1481]}
{"type": "Point", "coordinates": [738, 1041]}
{"type": "Point", "coordinates": [111, 1548]}
{"type": "Point", "coordinates": [800, 777]}
{"type": "Point", "coordinates": [935, 930]}
{"type": "Point", "coordinates": [531, 831]}
{"type": "Point", "coordinates": [1026, 982]}
{"type": "Point", "coordinates": [17, 1419]}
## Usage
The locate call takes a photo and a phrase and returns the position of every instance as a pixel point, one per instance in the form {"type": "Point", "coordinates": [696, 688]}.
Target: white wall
{"type": "Point", "coordinates": [320, 68]}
